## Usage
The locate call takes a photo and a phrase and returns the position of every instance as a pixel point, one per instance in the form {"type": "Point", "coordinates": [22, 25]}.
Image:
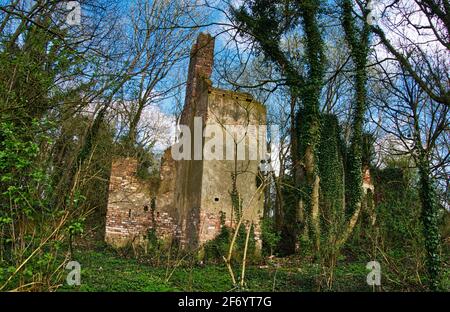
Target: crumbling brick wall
{"type": "Point", "coordinates": [165, 212]}
{"type": "Point", "coordinates": [128, 215]}
{"type": "Point", "coordinates": [131, 211]}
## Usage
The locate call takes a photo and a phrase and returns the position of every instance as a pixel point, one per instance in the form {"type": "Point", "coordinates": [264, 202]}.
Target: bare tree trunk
{"type": "Point", "coordinates": [244, 260]}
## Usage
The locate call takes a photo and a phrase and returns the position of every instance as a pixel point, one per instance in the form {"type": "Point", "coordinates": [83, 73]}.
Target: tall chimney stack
{"type": "Point", "coordinates": [200, 67]}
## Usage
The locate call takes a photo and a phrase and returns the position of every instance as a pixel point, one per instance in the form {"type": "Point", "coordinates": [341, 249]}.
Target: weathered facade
{"type": "Point", "coordinates": [195, 192]}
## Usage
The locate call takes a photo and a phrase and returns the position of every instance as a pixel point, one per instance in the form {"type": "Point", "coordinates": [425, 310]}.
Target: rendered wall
{"type": "Point", "coordinates": [227, 108]}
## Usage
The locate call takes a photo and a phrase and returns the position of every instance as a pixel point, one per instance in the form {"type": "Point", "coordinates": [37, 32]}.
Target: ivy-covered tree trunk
{"type": "Point", "coordinates": [430, 217]}
{"type": "Point", "coordinates": [358, 42]}
{"type": "Point", "coordinates": [310, 95]}
{"type": "Point", "coordinates": [266, 21]}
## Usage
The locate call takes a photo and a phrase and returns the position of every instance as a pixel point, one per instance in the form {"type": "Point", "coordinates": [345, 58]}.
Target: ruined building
{"type": "Point", "coordinates": [194, 196]}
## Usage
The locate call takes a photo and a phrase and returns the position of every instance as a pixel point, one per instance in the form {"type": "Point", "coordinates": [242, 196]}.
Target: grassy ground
{"type": "Point", "coordinates": [104, 270]}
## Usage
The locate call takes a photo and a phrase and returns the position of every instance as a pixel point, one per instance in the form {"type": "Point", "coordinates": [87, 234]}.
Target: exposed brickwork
{"type": "Point", "coordinates": [200, 69]}
{"type": "Point", "coordinates": [166, 227]}
{"type": "Point", "coordinates": [165, 214]}
{"type": "Point", "coordinates": [209, 226]}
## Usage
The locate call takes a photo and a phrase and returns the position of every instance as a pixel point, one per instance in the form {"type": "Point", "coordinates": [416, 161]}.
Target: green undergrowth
{"type": "Point", "coordinates": [105, 270]}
